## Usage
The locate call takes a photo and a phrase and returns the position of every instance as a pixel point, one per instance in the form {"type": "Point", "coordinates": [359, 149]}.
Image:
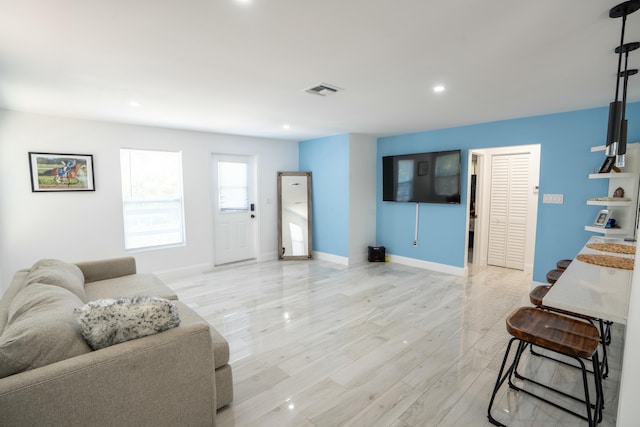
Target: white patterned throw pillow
{"type": "Point", "coordinates": [106, 322]}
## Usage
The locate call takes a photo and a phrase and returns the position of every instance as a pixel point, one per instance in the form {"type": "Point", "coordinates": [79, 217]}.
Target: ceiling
{"type": "Point", "coordinates": [242, 67]}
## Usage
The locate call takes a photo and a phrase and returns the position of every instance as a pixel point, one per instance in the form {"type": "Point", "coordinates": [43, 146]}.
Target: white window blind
{"type": "Point", "coordinates": [233, 190]}
{"type": "Point", "coordinates": [152, 198]}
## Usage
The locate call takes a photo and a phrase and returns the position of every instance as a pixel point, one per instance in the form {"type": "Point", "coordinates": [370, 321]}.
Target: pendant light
{"type": "Point", "coordinates": [616, 130]}
{"type": "Point", "coordinates": [622, 142]}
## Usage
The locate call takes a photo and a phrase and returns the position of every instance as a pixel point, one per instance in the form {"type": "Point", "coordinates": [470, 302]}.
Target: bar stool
{"type": "Point", "coordinates": [536, 296]}
{"type": "Point", "coordinates": [539, 292]}
{"type": "Point", "coordinates": [554, 275]}
{"type": "Point", "coordinates": [563, 264]}
{"type": "Point", "coordinates": [560, 334]}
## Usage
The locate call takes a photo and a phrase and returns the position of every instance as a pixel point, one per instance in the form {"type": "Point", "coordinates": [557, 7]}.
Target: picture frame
{"type": "Point", "coordinates": [607, 165]}
{"type": "Point", "coordinates": [602, 218]}
{"type": "Point", "coordinates": [52, 172]}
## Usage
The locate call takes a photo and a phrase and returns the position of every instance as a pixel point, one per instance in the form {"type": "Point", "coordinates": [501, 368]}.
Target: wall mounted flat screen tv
{"type": "Point", "coordinates": [422, 178]}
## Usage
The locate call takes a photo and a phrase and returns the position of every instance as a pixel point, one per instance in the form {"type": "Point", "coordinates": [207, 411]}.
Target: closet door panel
{"type": "Point", "coordinates": [508, 210]}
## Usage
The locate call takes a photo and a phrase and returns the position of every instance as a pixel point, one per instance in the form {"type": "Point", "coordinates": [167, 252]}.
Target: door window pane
{"type": "Point", "coordinates": [233, 192]}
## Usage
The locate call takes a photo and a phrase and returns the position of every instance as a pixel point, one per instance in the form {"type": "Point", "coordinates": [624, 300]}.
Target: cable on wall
{"type": "Point", "coordinates": [415, 235]}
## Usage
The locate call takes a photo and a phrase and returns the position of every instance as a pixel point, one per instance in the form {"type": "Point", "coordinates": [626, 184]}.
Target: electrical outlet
{"type": "Point", "coordinates": [415, 243]}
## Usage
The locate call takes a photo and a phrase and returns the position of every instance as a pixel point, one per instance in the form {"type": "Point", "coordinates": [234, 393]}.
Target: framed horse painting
{"type": "Point", "coordinates": [61, 172]}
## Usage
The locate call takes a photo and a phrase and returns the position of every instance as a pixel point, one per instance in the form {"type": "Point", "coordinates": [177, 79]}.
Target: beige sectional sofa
{"type": "Point", "coordinates": [49, 376]}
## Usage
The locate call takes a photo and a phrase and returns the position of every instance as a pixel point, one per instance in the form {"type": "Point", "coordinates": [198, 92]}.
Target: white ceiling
{"type": "Point", "coordinates": [241, 68]}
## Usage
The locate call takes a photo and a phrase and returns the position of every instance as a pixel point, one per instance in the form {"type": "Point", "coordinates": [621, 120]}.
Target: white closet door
{"type": "Point", "coordinates": [498, 210]}
{"type": "Point", "coordinates": [508, 210]}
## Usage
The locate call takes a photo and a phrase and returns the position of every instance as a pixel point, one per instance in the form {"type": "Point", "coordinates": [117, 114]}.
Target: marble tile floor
{"type": "Point", "coordinates": [317, 344]}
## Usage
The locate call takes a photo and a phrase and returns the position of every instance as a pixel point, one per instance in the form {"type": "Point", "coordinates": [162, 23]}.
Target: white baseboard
{"type": "Point", "coordinates": [331, 258]}
{"type": "Point", "coordinates": [177, 273]}
{"type": "Point", "coordinates": [442, 268]}
{"type": "Point", "coordinates": [190, 270]}
{"type": "Point", "coordinates": [269, 256]}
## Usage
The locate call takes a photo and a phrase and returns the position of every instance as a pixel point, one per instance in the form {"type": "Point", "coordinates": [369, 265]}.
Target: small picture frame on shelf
{"type": "Point", "coordinates": [602, 218]}
{"type": "Point", "coordinates": [607, 165]}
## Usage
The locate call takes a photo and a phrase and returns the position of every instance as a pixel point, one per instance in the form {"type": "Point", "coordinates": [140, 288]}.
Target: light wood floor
{"type": "Point", "coordinates": [378, 344]}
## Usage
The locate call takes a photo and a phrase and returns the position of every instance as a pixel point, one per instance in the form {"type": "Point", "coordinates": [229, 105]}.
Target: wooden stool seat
{"type": "Point", "coordinates": [563, 264]}
{"type": "Point", "coordinates": [539, 292]}
{"type": "Point", "coordinates": [554, 275]}
{"type": "Point", "coordinates": [553, 331]}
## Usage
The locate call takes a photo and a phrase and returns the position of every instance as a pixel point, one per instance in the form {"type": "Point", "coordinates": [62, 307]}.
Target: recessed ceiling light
{"type": "Point", "coordinates": [286, 126]}
{"type": "Point", "coordinates": [438, 88]}
{"type": "Point", "coordinates": [134, 104]}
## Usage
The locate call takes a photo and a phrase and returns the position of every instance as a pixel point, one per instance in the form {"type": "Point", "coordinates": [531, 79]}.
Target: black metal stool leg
{"type": "Point", "coordinates": [599, 389]}
{"type": "Point", "coordinates": [500, 380]}
{"type": "Point", "coordinates": [594, 410]}
{"type": "Point", "coordinates": [603, 339]}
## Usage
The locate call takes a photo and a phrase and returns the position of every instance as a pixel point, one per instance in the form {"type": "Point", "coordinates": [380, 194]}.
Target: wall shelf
{"type": "Point", "coordinates": [607, 231]}
{"type": "Point", "coordinates": [612, 175]}
{"type": "Point", "coordinates": [623, 211]}
{"type": "Point", "coordinates": [611, 204]}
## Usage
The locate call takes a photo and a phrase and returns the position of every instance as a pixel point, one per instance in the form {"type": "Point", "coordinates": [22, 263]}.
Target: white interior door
{"type": "Point", "coordinates": [234, 213]}
{"type": "Point", "coordinates": [508, 210]}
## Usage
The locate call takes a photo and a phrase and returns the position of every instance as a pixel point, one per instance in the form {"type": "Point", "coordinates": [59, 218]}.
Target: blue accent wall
{"type": "Point", "coordinates": [565, 162]}
{"type": "Point", "coordinates": [328, 160]}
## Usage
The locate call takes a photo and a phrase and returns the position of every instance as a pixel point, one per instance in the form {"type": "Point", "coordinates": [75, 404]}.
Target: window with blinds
{"type": "Point", "coordinates": [152, 198]}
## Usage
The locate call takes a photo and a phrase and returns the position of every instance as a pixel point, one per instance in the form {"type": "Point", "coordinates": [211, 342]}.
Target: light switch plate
{"type": "Point", "coordinates": [557, 199]}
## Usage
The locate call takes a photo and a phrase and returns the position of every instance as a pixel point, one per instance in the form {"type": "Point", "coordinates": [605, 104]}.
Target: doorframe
{"type": "Point", "coordinates": [213, 191]}
{"type": "Point", "coordinates": [479, 258]}
{"type": "Point", "coordinates": [483, 195]}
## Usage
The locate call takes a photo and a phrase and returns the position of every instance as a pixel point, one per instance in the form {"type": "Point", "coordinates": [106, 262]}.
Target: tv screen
{"type": "Point", "coordinates": [422, 178]}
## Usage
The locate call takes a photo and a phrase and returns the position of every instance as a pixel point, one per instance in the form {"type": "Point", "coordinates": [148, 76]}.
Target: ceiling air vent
{"type": "Point", "coordinates": [323, 89]}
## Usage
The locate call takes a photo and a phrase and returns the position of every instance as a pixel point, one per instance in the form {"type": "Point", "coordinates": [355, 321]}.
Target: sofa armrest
{"type": "Point", "coordinates": [107, 268]}
{"type": "Point", "coordinates": [162, 379]}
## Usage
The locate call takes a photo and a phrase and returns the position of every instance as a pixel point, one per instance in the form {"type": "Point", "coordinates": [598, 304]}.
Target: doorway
{"type": "Point", "coordinates": [234, 209]}
{"type": "Point", "coordinates": [506, 206]}
{"type": "Point", "coordinates": [473, 214]}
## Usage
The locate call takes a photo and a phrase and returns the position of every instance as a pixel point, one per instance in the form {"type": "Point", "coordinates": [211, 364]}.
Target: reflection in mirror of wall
{"type": "Point", "coordinates": [294, 215]}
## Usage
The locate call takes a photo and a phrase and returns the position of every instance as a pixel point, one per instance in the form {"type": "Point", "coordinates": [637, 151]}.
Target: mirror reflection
{"type": "Point", "coordinates": [294, 215]}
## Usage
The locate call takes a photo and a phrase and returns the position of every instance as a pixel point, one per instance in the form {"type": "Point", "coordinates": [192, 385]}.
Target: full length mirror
{"type": "Point", "coordinates": [294, 215]}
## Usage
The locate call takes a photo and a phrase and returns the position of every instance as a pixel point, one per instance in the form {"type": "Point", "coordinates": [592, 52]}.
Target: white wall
{"type": "Point", "coordinates": [76, 226]}
{"type": "Point", "coordinates": [628, 408]}
{"type": "Point", "coordinates": [362, 196]}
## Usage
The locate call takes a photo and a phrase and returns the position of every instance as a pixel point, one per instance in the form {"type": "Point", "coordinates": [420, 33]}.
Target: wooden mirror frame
{"type": "Point", "coordinates": [309, 243]}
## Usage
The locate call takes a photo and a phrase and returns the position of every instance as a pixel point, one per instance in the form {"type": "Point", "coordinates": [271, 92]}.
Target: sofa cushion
{"type": "Point", "coordinates": [41, 329]}
{"type": "Point", "coordinates": [17, 284]}
{"type": "Point", "coordinates": [220, 344]}
{"type": "Point", "coordinates": [58, 273]}
{"type": "Point", "coordinates": [107, 268]}
{"type": "Point", "coordinates": [107, 322]}
{"type": "Point", "coordinates": [129, 286]}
